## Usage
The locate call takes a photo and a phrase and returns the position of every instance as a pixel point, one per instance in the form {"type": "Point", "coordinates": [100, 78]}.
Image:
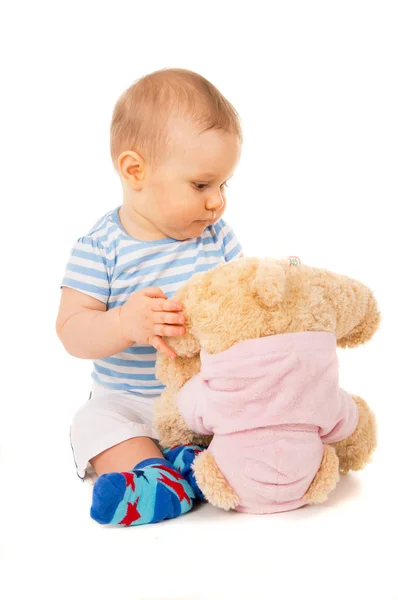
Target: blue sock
{"type": "Point", "coordinates": [151, 492]}
{"type": "Point", "coordinates": [182, 457]}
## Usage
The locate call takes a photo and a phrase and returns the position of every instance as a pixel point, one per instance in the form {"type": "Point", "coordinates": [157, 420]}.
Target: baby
{"type": "Point", "coordinates": [175, 142]}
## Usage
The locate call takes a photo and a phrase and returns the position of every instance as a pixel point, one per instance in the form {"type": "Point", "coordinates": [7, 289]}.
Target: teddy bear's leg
{"type": "Point", "coordinates": [212, 482]}
{"type": "Point", "coordinates": [355, 452]}
{"type": "Point", "coordinates": [326, 478]}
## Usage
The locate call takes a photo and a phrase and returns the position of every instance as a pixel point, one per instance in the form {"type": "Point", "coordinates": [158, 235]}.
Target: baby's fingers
{"type": "Point", "coordinates": [167, 330]}
{"type": "Point", "coordinates": [169, 318]}
{"type": "Point", "coordinates": [161, 346]}
{"type": "Point", "coordinates": [165, 305]}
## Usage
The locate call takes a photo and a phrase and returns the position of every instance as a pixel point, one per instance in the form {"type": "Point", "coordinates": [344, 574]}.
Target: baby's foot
{"type": "Point", "coordinates": [150, 493]}
{"type": "Point", "coordinates": [182, 457]}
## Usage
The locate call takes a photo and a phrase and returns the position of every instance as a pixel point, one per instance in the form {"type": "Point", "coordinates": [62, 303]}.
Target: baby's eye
{"type": "Point", "coordinates": [202, 186]}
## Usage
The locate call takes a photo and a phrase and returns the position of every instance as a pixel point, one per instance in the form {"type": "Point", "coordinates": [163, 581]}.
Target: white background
{"type": "Point", "coordinates": [315, 84]}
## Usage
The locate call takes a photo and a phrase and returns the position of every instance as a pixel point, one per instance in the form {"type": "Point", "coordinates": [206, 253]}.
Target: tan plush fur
{"type": "Point", "coordinates": [326, 479]}
{"type": "Point", "coordinates": [251, 298]}
{"type": "Point", "coordinates": [212, 483]}
{"type": "Point", "coordinates": [356, 451]}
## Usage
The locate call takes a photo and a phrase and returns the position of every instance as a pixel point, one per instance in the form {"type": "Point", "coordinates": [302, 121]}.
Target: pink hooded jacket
{"type": "Point", "coordinates": [271, 403]}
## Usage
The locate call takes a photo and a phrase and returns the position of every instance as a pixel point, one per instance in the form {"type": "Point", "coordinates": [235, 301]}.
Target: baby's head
{"type": "Point", "coordinates": [175, 142]}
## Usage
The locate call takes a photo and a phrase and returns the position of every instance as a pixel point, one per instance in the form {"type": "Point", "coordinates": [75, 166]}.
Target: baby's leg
{"type": "Point", "coordinates": [182, 458]}
{"type": "Point", "coordinates": [124, 456]}
{"type": "Point", "coordinates": [137, 485]}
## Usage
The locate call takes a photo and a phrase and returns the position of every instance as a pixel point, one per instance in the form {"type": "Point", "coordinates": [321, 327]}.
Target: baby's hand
{"type": "Point", "coordinates": [149, 314]}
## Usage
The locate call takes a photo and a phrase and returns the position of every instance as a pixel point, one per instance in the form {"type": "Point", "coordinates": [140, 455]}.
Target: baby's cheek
{"type": "Point", "coordinates": [189, 212]}
{"type": "Point", "coordinates": [176, 213]}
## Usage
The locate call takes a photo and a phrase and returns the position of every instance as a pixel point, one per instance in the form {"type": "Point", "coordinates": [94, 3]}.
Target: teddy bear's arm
{"type": "Point", "coordinates": [356, 450]}
{"type": "Point", "coordinates": [191, 401]}
{"type": "Point", "coordinates": [346, 419]}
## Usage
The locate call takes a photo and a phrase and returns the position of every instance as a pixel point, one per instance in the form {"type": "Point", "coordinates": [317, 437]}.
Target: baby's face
{"type": "Point", "coordinates": [183, 193]}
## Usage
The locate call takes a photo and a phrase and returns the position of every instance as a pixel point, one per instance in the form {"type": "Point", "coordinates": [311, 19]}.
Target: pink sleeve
{"type": "Point", "coordinates": [190, 400]}
{"type": "Point", "coordinates": [346, 419]}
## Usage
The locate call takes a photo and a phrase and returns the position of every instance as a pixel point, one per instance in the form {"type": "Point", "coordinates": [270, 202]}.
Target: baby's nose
{"type": "Point", "coordinates": [216, 202]}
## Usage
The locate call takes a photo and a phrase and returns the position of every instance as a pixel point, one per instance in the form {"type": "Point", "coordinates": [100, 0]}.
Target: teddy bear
{"type": "Point", "coordinates": [256, 383]}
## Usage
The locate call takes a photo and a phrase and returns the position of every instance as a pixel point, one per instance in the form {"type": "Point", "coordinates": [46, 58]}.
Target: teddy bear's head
{"type": "Point", "coordinates": [251, 298]}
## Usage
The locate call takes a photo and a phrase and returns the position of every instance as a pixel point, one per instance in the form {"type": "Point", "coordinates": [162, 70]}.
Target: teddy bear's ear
{"type": "Point", "coordinates": [268, 282]}
{"type": "Point", "coordinates": [362, 316]}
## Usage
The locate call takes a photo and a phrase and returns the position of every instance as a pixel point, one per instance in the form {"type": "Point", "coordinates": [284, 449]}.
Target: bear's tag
{"type": "Point", "coordinates": [294, 261]}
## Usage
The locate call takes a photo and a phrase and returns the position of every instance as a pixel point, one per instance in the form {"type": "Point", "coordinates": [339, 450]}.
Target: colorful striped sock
{"type": "Point", "coordinates": [151, 492]}
{"type": "Point", "coordinates": [182, 457]}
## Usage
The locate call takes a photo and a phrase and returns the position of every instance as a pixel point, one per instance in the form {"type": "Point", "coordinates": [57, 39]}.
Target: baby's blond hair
{"type": "Point", "coordinates": [142, 113]}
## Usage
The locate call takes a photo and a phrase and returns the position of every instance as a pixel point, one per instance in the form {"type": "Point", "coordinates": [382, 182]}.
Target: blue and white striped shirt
{"type": "Point", "coordinates": [110, 265]}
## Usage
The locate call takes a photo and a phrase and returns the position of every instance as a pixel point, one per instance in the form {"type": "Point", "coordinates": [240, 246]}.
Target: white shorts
{"type": "Point", "coordinates": [109, 417]}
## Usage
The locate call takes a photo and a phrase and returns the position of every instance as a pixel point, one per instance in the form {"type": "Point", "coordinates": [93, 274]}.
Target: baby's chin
{"type": "Point", "coordinates": [194, 230]}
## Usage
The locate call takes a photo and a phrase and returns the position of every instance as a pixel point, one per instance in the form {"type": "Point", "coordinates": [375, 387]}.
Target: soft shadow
{"type": "Point", "coordinates": [348, 488]}
{"type": "Point", "coordinates": [210, 513]}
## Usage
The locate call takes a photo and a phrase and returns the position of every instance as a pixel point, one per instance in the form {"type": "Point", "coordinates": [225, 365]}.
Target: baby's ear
{"type": "Point", "coordinates": [364, 315]}
{"type": "Point", "coordinates": [267, 281]}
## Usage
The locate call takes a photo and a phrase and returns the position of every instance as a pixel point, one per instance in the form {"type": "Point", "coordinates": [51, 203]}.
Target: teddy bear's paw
{"type": "Point", "coordinates": [212, 482]}
{"type": "Point", "coordinates": [326, 478]}
{"type": "Point", "coordinates": [356, 451]}
{"type": "Point", "coordinates": [175, 372]}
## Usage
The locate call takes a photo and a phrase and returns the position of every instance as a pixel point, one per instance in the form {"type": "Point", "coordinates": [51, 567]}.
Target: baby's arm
{"type": "Point", "coordinates": [88, 330]}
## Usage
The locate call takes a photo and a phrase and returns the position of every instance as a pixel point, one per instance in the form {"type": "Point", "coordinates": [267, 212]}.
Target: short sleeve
{"type": "Point", "coordinates": [86, 270]}
{"type": "Point", "coordinates": [229, 242]}
{"type": "Point", "coordinates": [346, 419]}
